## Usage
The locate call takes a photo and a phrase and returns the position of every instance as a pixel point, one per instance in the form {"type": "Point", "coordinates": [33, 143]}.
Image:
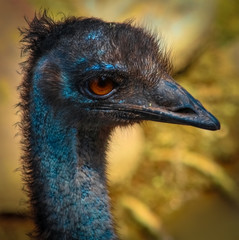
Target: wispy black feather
{"type": "Point", "coordinates": [43, 34]}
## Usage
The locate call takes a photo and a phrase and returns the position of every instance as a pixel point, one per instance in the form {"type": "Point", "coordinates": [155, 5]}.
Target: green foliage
{"type": "Point", "coordinates": [58, 8]}
{"type": "Point", "coordinates": [227, 20]}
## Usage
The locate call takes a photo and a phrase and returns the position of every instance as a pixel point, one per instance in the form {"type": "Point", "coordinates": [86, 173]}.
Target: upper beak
{"type": "Point", "coordinates": [171, 103]}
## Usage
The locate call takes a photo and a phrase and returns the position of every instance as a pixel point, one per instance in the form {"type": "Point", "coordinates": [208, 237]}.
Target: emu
{"type": "Point", "coordinates": [84, 77]}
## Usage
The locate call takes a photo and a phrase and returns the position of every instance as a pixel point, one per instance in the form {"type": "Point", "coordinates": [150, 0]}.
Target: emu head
{"type": "Point", "coordinates": [105, 74]}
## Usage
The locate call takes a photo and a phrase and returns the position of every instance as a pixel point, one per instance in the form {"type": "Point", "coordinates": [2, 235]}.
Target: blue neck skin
{"type": "Point", "coordinates": [69, 194]}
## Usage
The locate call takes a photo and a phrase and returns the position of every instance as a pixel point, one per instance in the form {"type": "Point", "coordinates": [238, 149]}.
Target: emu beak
{"type": "Point", "coordinates": [171, 103]}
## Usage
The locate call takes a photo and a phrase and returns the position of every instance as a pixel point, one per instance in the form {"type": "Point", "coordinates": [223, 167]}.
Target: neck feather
{"type": "Point", "coordinates": [67, 180]}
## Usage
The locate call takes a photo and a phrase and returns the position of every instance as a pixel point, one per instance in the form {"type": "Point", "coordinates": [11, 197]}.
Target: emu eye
{"type": "Point", "coordinates": [101, 86]}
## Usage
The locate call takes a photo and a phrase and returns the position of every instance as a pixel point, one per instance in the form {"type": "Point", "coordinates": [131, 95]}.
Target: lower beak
{"type": "Point", "coordinates": [171, 103]}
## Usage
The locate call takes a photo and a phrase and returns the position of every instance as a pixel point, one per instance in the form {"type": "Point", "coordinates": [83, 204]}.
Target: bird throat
{"type": "Point", "coordinates": [67, 183]}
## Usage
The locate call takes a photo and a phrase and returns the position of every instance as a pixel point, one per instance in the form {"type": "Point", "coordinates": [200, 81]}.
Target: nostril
{"type": "Point", "coordinates": [185, 111]}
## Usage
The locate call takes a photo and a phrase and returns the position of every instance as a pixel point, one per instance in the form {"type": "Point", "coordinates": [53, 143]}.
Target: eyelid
{"type": "Point", "coordinates": [118, 76]}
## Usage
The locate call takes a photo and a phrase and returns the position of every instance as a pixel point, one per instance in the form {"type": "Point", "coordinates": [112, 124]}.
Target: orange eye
{"type": "Point", "coordinates": [101, 86]}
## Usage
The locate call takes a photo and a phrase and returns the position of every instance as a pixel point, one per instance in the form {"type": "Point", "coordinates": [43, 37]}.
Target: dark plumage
{"type": "Point", "coordinates": [84, 77]}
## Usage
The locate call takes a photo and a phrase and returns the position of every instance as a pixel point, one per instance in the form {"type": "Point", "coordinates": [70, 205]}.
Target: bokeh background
{"type": "Point", "coordinates": [166, 182]}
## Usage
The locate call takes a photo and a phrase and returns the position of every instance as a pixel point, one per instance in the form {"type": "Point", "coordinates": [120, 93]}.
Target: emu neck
{"type": "Point", "coordinates": [68, 184]}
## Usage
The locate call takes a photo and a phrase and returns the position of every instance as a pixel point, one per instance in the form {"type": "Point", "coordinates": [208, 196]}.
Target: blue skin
{"type": "Point", "coordinates": [80, 61]}
{"type": "Point", "coordinates": [94, 35]}
{"type": "Point", "coordinates": [102, 66]}
{"type": "Point", "coordinates": [70, 190]}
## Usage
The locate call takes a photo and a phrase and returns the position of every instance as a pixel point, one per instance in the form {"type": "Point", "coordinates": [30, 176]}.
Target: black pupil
{"type": "Point", "coordinates": [103, 82]}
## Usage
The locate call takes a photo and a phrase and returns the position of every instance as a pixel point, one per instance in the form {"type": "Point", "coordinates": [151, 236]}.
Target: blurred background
{"type": "Point", "coordinates": [166, 182]}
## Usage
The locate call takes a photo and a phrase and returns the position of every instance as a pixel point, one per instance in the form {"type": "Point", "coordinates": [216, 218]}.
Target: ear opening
{"type": "Point", "coordinates": [48, 77]}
